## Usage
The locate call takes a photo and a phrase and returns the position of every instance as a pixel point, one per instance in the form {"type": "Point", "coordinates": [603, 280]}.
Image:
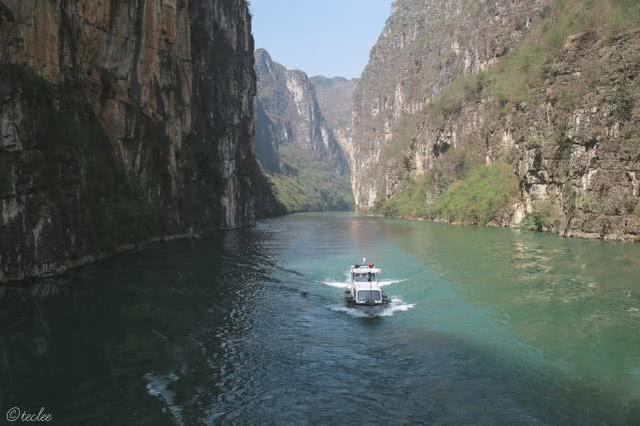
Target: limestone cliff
{"type": "Point", "coordinates": [546, 87]}
{"type": "Point", "coordinates": [121, 122]}
{"type": "Point", "coordinates": [335, 97]}
{"type": "Point", "coordinates": [295, 143]}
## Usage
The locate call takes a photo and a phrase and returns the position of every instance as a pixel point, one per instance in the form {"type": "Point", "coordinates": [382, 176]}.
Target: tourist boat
{"type": "Point", "coordinates": [364, 287]}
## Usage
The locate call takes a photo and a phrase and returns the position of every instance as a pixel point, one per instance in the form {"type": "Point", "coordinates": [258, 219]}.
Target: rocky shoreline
{"type": "Point", "coordinates": [626, 238]}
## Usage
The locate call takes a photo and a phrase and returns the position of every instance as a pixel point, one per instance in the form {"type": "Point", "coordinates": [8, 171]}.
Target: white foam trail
{"type": "Point", "coordinates": [384, 283]}
{"type": "Point", "coordinates": [396, 305]}
{"type": "Point", "coordinates": [336, 284]}
{"type": "Point", "coordinates": [158, 386]}
{"type": "Point", "coordinates": [354, 312]}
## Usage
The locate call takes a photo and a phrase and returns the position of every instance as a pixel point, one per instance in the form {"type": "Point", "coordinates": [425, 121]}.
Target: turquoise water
{"type": "Point", "coordinates": [486, 326]}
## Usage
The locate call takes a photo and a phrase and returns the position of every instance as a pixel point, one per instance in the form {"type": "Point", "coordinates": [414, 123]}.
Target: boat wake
{"type": "Point", "coordinates": [384, 283]}
{"type": "Point", "coordinates": [396, 305]}
{"type": "Point", "coordinates": [158, 386]}
{"type": "Point", "coordinates": [336, 284]}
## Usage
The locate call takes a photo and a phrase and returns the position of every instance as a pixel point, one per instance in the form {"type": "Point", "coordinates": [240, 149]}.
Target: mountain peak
{"type": "Point", "coordinates": [263, 56]}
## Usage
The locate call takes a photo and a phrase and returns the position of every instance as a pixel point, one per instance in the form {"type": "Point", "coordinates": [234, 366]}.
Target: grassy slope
{"type": "Point", "coordinates": [480, 196]}
{"type": "Point", "coordinates": [513, 79]}
{"type": "Point", "coordinates": [306, 184]}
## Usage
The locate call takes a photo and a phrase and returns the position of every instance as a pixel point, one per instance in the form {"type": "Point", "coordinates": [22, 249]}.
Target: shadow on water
{"type": "Point", "coordinates": [82, 346]}
{"type": "Point", "coordinates": [229, 328]}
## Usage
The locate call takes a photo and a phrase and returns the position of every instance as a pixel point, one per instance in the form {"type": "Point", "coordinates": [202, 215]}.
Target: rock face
{"type": "Point", "coordinates": [335, 97]}
{"type": "Point", "coordinates": [121, 122]}
{"type": "Point", "coordinates": [424, 46]}
{"type": "Point", "coordinates": [287, 98]}
{"type": "Point", "coordinates": [295, 143]}
{"type": "Point", "coordinates": [572, 140]}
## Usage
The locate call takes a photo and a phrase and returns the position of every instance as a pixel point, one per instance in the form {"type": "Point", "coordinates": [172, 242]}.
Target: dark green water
{"type": "Point", "coordinates": [486, 327]}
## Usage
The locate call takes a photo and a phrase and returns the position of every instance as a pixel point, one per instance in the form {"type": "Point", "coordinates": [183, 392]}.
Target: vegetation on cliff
{"type": "Point", "coordinates": [555, 118]}
{"type": "Point", "coordinates": [301, 135]}
{"type": "Point", "coordinates": [474, 196]}
{"type": "Point", "coordinates": [479, 197]}
{"type": "Point", "coordinates": [306, 184]}
{"type": "Point", "coordinates": [516, 78]}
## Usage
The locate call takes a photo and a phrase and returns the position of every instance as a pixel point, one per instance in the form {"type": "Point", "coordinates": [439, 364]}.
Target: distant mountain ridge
{"type": "Point", "coordinates": [335, 96]}
{"type": "Point", "coordinates": [300, 142]}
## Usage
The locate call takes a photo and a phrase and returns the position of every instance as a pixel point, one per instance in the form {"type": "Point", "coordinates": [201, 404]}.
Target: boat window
{"type": "Point", "coordinates": [366, 295]}
{"type": "Point", "coordinates": [361, 278]}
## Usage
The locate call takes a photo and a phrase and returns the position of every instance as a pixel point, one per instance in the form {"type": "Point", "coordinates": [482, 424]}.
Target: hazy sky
{"type": "Point", "coordinates": [327, 37]}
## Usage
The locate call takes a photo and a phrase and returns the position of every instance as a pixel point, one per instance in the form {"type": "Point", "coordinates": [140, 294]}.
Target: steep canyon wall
{"type": "Point", "coordinates": [121, 122]}
{"type": "Point", "coordinates": [548, 88]}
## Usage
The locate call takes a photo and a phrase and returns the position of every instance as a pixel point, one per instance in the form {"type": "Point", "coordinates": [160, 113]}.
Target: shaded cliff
{"type": "Point", "coordinates": [295, 143]}
{"type": "Point", "coordinates": [335, 97]}
{"type": "Point", "coordinates": [508, 113]}
{"type": "Point", "coordinates": [121, 122]}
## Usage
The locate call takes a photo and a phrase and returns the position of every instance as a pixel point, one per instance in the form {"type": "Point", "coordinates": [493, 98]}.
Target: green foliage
{"type": "Point", "coordinates": [552, 213]}
{"type": "Point", "coordinates": [409, 202]}
{"type": "Point", "coordinates": [623, 14]}
{"type": "Point", "coordinates": [418, 197]}
{"type": "Point", "coordinates": [544, 215]}
{"type": "Point", "coordinates": [452, 166]}
{"type": "Point", "coordinates": [477, 198]}
{"type": "Point", "coordinates": [533, 222]}
{"type": "Point", "coordinates": [523, 69]}
{"type": "Point", "coordinates": [307, 184]}
{"type": "Point", "coordinates": [463, 89]}
{"type": "Point", "coordinates": [457, 188]}
{"type": "Point", "coordinates": [534, 59]}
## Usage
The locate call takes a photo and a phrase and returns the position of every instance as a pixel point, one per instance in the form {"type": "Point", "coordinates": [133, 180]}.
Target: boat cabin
{"type": "Point", "coordinates": [365, 287]}
{"type": "Point", "coordinates": [364, 273]}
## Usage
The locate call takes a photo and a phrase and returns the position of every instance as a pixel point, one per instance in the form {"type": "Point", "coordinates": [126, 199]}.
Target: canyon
{"type": "Point", "coordinates": [123, 123]}
{"type": "Point", "coordinates": [127, 123]}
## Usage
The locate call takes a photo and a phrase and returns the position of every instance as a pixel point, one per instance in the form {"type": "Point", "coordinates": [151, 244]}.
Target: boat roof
{"type": "Point", "coordinates": [373, 285]}
{"type": "Point", "coordinates": [364, 269]}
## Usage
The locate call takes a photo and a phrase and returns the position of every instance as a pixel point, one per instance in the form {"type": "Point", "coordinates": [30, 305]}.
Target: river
{"type": "Point", "coordinates": [486, 326]}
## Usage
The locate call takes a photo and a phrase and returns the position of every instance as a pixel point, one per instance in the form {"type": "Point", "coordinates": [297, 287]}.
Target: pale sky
{"type": "Point", "coordinates": [320, 37]}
